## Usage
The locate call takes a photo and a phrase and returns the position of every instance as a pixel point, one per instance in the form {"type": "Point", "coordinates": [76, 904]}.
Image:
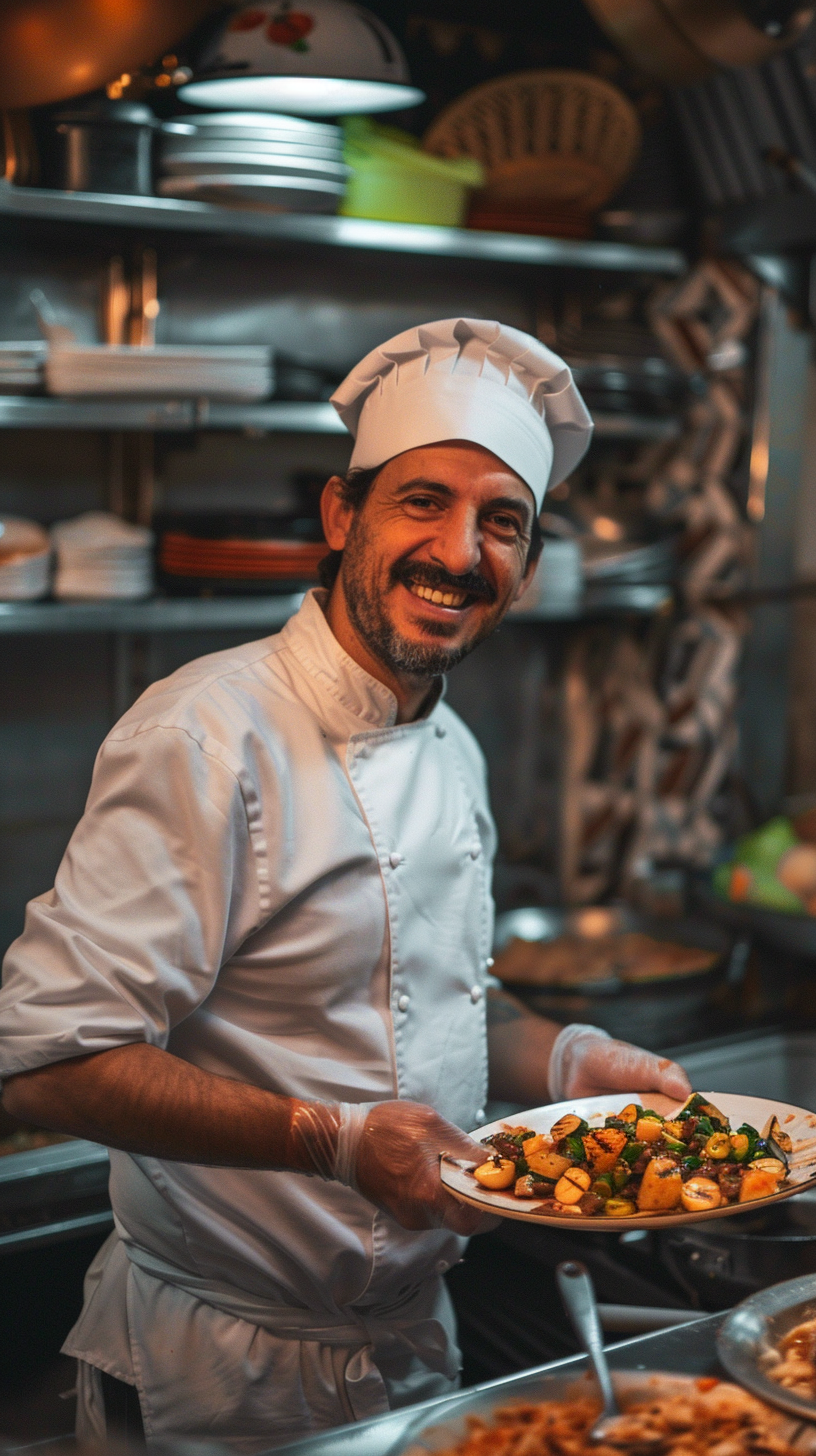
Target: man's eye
{"type": "Point", "coordinates": [506, 523]}
{"type": "Point", "coordinates": [423, 501]}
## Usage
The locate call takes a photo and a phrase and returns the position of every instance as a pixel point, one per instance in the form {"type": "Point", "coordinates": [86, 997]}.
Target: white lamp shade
{"type": "Point", "coordinates": [318, 57]}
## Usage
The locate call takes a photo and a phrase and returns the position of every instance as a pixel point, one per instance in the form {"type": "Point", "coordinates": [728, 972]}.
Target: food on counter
{"type": "Point", "coordinates": [25, 1140]}
{"type": "Point", "coordinates": [638, 1162]}
{"type": "Point", "coordinates": [711, 1415]}
{"type": "Point", "coordinates": [572, 960]}
{"type": "Point", "coordinates": [792, 1363]}
{"type": "Point", "coordinates": [775, 867]}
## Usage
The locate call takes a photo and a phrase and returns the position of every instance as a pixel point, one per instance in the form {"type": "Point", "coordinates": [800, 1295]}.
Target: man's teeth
{"type": "Point", "coordinates": [439, 598]}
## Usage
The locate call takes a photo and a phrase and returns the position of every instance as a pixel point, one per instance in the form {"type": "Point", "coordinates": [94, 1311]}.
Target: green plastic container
{"type": "Point", "coordinates": [393, 179]}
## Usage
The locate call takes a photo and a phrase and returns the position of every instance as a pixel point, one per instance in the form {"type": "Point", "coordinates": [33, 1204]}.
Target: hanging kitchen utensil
{"type": "Point", "coordinates": [684, 40]}
{"type": "Point", "coordinates": [53, 49]}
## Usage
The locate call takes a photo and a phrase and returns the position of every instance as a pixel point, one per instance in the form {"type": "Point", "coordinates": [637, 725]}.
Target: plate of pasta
{"type": "Point", "coordinates": [638, 1160]}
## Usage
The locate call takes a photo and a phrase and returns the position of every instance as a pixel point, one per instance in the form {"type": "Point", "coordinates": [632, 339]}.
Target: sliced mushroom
{"type": "Point", "coordinates": [780, 1143]}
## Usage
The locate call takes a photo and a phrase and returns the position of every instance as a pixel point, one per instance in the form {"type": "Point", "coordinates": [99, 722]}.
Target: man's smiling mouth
{"type": "Point", "coordinates": [439, 598]}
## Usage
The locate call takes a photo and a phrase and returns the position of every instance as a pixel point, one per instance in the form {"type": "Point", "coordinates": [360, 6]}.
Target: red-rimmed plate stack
{"type": "Point", "coordinates": [192, 559]}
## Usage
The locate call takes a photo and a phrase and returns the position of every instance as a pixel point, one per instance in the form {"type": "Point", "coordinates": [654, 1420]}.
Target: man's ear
{"type": "Point", "coordinates": [335, 513]}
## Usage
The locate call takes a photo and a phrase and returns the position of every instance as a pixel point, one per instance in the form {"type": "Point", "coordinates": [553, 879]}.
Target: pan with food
{"type": "Point", "coordinates": [552, 1415]}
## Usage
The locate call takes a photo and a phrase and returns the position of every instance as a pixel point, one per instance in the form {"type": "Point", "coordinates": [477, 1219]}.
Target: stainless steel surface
{"type": "Point", "coordinates": [777, 1064]}
{"type": "Point", "coordinates": [58, 1232]}
{"type": "Point", "coordinates": [422, 240]}
{"type": "Point", "coordinates": [752, 1330]}
{"type": "Point", "coordinates": [263, 614]}
{"type": "Point", "coordinates": [51, 1194]}
{"type": "Point", "coordinates": [578, 1296]}
{"type": "Point", "coordinates": [641, 1319]}
{"type": "Point", "coordinates": [301, 417]}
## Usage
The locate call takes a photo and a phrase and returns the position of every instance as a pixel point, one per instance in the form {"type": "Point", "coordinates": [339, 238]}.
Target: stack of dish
{"type": "Point", "coordinates": [25, 559]}
{"type": "Point", "coordinates": [282, 162]}
{"type": "Point", "coordinates": [101, 556]}
{"type": "Point", "coordinates": [21, 365]}
{"type": "Point", "coordinates": [236, 564]}
{"type": "Point", "coordinates": [216, 371]}
{"type": "Point", "coordinates": [629, 562]}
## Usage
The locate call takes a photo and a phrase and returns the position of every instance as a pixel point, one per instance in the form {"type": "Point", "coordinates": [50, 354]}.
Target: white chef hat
{"type": "Point", "coordinates": [467, 379]}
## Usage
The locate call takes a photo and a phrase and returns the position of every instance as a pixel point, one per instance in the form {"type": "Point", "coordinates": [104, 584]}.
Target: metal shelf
{"type": "Point", "coordinates": [39, 412]}
{"type": "Point", "coordinates": [169, 215]}
{"type": "Point", "coordinates": [268, 614]}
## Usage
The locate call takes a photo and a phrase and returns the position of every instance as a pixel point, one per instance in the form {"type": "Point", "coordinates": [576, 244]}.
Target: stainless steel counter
{"type": "Point", "coordinates": [687, 1350]}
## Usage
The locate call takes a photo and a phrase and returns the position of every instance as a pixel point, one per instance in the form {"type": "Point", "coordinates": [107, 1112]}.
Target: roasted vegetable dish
{"type": "Point", "coordinates": [638, 1162]}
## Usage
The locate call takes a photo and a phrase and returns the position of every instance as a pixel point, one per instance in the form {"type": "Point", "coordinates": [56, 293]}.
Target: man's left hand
{"type": "Point", "coordinates": [585, 1062]}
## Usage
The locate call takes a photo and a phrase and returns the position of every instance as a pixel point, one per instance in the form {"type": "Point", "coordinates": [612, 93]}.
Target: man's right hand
{"type": "Point", "coordinates": [397, 1167]}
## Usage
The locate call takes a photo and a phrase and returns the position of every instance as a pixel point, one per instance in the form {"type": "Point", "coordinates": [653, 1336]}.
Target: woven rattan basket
{"type": "Point", "coordinates": [561, 141]}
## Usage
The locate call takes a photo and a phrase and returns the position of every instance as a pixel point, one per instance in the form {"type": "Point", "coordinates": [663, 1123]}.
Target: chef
{"type": "Point", "coordinates": [262, 977]}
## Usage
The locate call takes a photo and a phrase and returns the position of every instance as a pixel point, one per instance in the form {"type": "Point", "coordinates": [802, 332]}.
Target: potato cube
{"type": "Point", "coordinates": [661, 1187]}
{"type": "Point", "coordinates": [547, 1165]}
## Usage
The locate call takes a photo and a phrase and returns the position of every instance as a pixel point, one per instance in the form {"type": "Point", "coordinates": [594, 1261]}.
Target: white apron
{"type": "Point", "coordinates": [275, 882]}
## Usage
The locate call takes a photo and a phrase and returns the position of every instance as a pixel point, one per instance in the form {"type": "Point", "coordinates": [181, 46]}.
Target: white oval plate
{"type": "Point", "coordinates": [796, 1121]}
{"type": "Point", "coordinates": [442, 1429]}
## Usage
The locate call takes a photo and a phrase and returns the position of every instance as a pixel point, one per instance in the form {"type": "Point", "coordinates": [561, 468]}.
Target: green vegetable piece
{"type": "Point", "coordinates": [603, 1187]}
{"type": "Point", "coordinates": [522, 1167]}
{"type": "Point", "coordinates": [652, 1116]}
{"type": "Point", "coordinates": [620, 1176]}
{"type": "Point", "coordinates": [764, 848]}
{"type": "Point", "coordinates": [632, 1152]}
{"type": "Point", "coordinates": [769, 892]}
{"type": "Point", "coordinates": [574, 1147]}
{"type": "Point", "coordinates": [674, 1145]}
{"type": "Point", "coordinates": [692, 1164]}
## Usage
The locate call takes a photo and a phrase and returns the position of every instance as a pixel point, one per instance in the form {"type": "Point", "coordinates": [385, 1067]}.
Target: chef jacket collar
{"type": "Point", "coordinates": [345, 687]}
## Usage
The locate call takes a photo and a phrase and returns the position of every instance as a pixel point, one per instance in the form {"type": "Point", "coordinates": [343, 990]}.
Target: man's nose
{"type": "Point", "coordinates": [457, 545]}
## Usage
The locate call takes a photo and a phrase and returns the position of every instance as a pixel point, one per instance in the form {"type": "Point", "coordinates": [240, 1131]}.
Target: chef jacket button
{"type": "Point", "coordinates": [481, 1115]}
{"type": "Point", "coordinates": [475, 851]}
{"type": "Point", "coordinates": [475, 994]}
{"type": "Point", "coordinates": [489, 963]}
{"type": "Point", "coordinates": [442, 1266]}
{"type": "Point", "coordinates": [440, 733]}
{"type": "Point", "coordinates": [404, 1002]}
{"type": "Point", "coordinates": [394, 859]}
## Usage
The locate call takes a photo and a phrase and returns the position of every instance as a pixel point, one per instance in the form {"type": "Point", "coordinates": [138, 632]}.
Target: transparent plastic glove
{"type": "Point", "coordinates": [389, 1152]}
{"type": "Point", "coordinates": [586, 1062]}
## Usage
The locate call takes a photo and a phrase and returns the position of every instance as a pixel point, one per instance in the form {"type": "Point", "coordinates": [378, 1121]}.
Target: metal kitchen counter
{"type": "Point", "coordinates": [688, 1349]}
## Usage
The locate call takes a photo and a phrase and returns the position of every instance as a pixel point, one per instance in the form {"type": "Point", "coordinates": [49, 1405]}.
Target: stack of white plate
{"type": "Point", "coordinates": [283, 162]}
{"type": "Point", "coordinates": [99, 555]}
{"type": "Point", "coordinates": [25, 560]}
{"type": "Point", "coordinates": [21, 365]}
{"type": "Point", "coordinates": [217, 371]}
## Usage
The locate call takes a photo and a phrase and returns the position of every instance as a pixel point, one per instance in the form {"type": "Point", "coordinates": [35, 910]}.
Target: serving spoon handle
{"type": "Point", "coordinates": [576, 1290]}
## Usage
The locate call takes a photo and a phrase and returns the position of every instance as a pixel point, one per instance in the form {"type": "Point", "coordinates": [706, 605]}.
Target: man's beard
{"type": "Point", "coordinates": [370, 619]}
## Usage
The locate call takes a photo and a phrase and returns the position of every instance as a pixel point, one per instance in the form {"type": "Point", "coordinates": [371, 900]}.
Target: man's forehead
{"type": "Point", "coordinates": [456, 466]}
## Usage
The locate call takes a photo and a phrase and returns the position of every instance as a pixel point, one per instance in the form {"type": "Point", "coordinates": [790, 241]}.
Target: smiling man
{"type": "Point", "coordinates": [262, 975]}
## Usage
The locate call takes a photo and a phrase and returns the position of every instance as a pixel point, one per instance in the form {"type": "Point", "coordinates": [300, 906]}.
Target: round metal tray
{"type": "Point", "coordinates": [752, 1329]}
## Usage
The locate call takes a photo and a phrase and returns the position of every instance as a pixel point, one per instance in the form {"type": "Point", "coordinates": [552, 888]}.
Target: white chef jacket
{"type": "Point", "coordinates": [275, 882]}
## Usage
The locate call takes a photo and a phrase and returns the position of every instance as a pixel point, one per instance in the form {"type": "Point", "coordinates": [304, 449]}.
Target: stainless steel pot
{"type": "Point", "coordinates": [718, 1264]}
{"type": "Point", "coordinates": [106, 146]}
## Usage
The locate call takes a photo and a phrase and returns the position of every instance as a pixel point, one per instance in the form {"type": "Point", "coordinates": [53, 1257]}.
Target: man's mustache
{"type": "Point", "coordinates": [422, 573]}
